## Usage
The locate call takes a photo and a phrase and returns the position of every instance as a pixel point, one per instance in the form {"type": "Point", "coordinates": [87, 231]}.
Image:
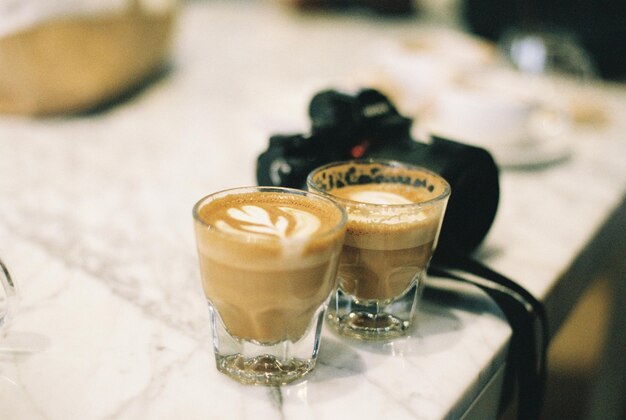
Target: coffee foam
{"type": "Point", "coordinates": [390, 234]}
{"type": "Point", "coordinates": [383, 193]}
{"type": "Point", "coordinates": [378, 197]}
{"type": "Point", "coordinates": [252, 218]}
{"type": "Point", "coordinates": [393, 225]}
{"type": "Point", "coordinates": [257, 229]}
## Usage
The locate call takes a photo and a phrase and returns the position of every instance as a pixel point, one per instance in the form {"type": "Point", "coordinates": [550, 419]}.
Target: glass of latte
{"type": "Point", "coordinates": [395, 212]}
{"type": "Point", "coordinates": [268, 261]}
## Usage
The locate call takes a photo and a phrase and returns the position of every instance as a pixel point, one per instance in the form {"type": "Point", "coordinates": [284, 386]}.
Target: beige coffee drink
{"type": "Point", "coordinates": [381, 256]}
{"type": "Point", "coordinates": [395, 212]}
{"type": "Point", "coordinates": [268, 260]}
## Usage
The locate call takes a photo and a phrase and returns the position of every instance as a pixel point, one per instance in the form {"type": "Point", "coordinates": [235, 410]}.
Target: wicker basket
{"type": "Point", "coordinates": [74, 64]}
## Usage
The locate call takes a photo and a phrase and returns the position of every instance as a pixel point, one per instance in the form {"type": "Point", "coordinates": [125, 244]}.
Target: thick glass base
{"type": "Point", "coordinates": [373, 320]}
{"type": "Point", "coordinates": [272, 364]}
{"type": "Point", "coordinates": [263, 370]}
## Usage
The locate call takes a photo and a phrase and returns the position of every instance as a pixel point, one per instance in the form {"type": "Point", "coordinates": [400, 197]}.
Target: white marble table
{"type": "Point", "coordinates": [95, 226]}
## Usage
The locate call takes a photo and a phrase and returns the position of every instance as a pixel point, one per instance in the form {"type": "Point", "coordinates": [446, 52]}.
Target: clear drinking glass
{"type": "Point", "coordinates": [268, 260]}
{"type": "Point", "coordinates": [395, 212]}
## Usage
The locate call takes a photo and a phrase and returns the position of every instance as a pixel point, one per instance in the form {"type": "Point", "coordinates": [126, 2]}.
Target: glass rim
{"type": "Point", "coordinates": [261, 188]}
{"type": "Point", "coordinates": [388, 163]}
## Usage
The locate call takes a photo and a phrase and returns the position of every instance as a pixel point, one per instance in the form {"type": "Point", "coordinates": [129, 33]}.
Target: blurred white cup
{"type": "Point", "coordinates": [483, 118]}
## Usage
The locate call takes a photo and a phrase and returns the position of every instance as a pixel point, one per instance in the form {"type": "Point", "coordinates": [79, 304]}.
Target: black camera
{"type": "Point", "coordinates": [366, 125]}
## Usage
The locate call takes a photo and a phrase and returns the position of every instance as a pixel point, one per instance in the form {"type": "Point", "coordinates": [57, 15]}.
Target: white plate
{"type": "Point", "coordinates": [541, 150]}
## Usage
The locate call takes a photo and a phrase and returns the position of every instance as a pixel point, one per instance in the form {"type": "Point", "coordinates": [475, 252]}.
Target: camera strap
{"type": "Point", "coordinates": [526, 363]}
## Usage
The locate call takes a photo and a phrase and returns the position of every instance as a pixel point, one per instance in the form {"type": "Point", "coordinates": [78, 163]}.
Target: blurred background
{"type": "Point", "coordinates": [70, 55]}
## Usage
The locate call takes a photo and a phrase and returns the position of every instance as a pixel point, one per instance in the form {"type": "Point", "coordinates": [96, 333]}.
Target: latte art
{"type": "Point", "coordinates": [279, 225]}
{"type": "Point", "coordinates": [289, 223]}
{"type": "Point", "coordinates": [306, 223]}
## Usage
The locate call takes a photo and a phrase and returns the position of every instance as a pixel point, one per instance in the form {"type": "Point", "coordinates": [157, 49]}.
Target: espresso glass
{"type": "Point", "coordinates": [395, 212]}
{"type": "Point", "coordinates": [268, 260]}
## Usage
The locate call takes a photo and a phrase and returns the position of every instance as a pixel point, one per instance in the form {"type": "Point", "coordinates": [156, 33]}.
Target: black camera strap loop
{"type": "Point", "coordinates": [527, 357]}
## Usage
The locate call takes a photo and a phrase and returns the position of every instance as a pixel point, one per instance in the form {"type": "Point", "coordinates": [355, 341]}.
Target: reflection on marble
{"type": "Point", "coordinates": [96, 228]}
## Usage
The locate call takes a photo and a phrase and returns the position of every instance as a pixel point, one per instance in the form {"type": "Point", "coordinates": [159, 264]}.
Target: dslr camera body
{"type": "Point", "coordinates": [366, 125]}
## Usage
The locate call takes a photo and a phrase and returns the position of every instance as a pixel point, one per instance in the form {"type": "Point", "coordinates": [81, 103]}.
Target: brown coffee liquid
{"type": "Point", "coordinates": [371, 274]}
{"type": "Point", "coordinates": [268, 262]}
{"type": "Point", "coordinates": [383, 253]}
